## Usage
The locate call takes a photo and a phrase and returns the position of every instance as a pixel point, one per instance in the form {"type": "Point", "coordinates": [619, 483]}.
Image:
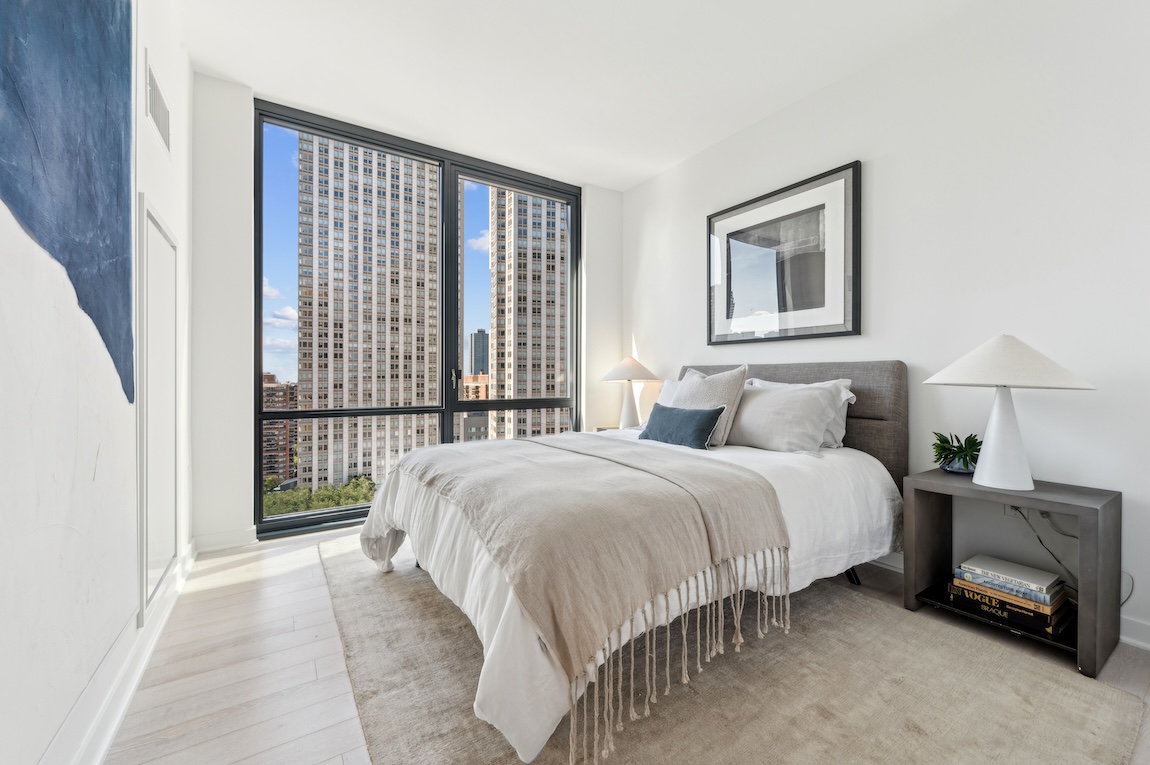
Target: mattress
{"type": "Point", "coordinates": [841, 509]}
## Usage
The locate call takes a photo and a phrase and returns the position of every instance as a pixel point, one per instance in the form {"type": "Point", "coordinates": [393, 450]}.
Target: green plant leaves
{"type": "Point", "coordinates": [950, 448]}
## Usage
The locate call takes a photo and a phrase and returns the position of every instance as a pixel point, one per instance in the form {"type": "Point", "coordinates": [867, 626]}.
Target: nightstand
{"type": "Point", "coordinates": [928, 556]}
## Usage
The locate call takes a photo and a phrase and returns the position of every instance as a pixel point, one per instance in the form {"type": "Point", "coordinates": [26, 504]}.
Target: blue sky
{"type": "Point", "coordinates": [280, 255]}
{"type": "Point", "coordinates": [476, 264]}
{"type": "Point", "coordinates": [280, 242]}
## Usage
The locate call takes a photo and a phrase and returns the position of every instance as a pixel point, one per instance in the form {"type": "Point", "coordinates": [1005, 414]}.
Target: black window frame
{"type": "Point", "coordinates": [453, 168]}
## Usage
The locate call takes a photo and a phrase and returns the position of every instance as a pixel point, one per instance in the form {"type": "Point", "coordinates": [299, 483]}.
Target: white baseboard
{"type": "Point", "coordinates": [225, 540]}
{"type": "Point", "coordinates": [90, 727]}
{"type": "Point", "coordinates": [1134, 632]}
{"type": "Point", "coordinates": [892, 562]}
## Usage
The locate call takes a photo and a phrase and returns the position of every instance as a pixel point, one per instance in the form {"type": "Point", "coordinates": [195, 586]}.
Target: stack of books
{"type": "Point", "coordinates": [1011, 594]}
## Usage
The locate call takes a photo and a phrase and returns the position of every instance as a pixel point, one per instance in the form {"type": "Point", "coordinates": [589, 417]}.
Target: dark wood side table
{"type": "Point", "coordinates": [928, 555]}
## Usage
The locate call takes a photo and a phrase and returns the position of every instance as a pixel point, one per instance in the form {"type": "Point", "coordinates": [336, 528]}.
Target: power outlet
{"type": "Point", "coordinates": [1014, 511]}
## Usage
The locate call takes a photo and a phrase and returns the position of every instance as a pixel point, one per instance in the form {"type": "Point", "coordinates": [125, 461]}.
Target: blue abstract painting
{"type": "Point", "coordinates": [66, 149]}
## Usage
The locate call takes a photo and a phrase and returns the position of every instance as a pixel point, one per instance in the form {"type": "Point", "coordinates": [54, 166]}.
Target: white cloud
{"type": "Point", "coordinates": [270, 291]}
{"type": "Point", "coordinates": [283, 318]}
{"type": "Point", "coordinates": [481, 243]}
{"type": "Point", "coordinates": [280, 345]}
{"type": "Point", "coordinates": [470, 185]}
{"type": "Point", "coordinates": [295, 160]}
{"type": "Point", "coordinates": [279, 323]}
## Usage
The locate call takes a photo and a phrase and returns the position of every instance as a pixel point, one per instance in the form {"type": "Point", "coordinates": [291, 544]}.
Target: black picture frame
{"type": "Point", "coordinates": [787, 265]}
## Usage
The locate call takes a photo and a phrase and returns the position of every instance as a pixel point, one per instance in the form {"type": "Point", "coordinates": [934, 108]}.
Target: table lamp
{"type": "Point", "coordinates": [627, 371]}
{"type": "Point", "coordinates": [1002, 363]}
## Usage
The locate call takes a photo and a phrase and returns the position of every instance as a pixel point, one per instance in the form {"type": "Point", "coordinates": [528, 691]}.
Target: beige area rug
{"type": "Point", "coordinates": [855, 681]}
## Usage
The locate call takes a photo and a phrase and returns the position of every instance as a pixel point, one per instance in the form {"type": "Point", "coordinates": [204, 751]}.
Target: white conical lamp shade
{"type": "Point", "coordinates": [629, 369]}
{"type": "Point", "coordinates": [1007, 361]}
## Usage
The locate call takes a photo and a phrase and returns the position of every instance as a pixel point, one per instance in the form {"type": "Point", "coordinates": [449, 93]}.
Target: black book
{"type": "Point", "coordinates": [1002, 612]}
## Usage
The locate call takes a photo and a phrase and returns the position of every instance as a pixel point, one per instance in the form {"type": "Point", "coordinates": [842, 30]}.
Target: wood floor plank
{"type": "Point", "coordinates": [227, 719]}
{"type": "Point", "coordinates": [269, 735]}
{"type": "Point", "coordinates": [196, 631]}
{"type": "Point", "coordinates": [357, 757]}
{"type": "Point", "coordinates": [314, 618]}
{"type": "Point", "coordinates": [249, 591]}
{"type": "Point", "coordinates": [165, 654]}
{"type": "Point", "coordinates": [283, 571]}
{"type": "Point", "coordinates": [330, 665]}
{"type": "Point", "coordinates": [216, 678]}
{"type": "Point", "coordinates": [248, 578]}
{"type": "Point", "coordinates": [252, 648]}
{"type": "Point", "coordinates": [141, 720]}
{"type": "Point", "coordinates": [179, 619]}
{"type": "Point", "coordinates": [312, 748]}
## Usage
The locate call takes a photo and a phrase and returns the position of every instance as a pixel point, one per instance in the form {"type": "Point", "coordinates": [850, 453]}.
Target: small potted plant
{"type": "Point", "coordinates": [956, 455]}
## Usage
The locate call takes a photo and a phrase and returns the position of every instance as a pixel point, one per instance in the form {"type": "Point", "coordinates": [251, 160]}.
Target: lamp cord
{"type": "Point", "coordinates": [1070, 577]}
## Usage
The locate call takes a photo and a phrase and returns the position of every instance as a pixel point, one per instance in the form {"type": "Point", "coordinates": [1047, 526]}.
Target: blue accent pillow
{"type": "Point", "coordinates": [685, 427]}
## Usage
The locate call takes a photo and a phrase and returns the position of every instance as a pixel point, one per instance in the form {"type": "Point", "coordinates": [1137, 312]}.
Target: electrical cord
{"type": "Point", "coordinates": [1070, 577]}
{"type": "Point", "coordinates": [1050, 522]}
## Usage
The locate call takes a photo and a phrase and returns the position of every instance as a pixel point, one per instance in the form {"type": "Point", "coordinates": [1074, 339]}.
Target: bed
{"type": "Point", "coordinates": [842, 507]}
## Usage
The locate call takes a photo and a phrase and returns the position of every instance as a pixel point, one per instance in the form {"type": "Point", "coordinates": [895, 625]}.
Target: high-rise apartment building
{"type": "Point", "coordinates": [279, 436]}
{"type": "Point", "coordinates": [474, 388]}
{"type": "Point", "coordinates": [474, 427]}
{"type": "Point", "coordinates": [530, 257]}
{"type": "Point", "coordinates": [478, 353]}
{"type": "Point", "coordinates": [368, 306]}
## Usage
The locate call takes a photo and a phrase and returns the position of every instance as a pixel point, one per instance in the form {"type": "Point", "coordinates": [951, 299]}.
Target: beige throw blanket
{"type": "Point", "coordinates": [588, 530]}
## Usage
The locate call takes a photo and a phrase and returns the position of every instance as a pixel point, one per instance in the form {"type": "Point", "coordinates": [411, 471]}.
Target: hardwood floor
{"type": "Point", "coordinates": [250, 667]}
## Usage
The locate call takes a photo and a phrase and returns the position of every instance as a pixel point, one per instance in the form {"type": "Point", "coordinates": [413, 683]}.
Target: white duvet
{"type": "Point", "coordinates": [841, 508]}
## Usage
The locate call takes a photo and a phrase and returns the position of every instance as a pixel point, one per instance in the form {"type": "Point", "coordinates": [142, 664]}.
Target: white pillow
{"type": "Point", "coordinates": [837, 427]}
{"type": "Point", "coordinates": [784, 419]}
{"type": "Point", "coordinates": [698, 391]}
{"type": "Point", "coordinates": [667, 392]}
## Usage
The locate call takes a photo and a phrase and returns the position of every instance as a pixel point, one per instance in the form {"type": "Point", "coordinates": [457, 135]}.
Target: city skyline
{"type": "Point", "coordinates": [353, 319]}
{"type": "Point", "coordinates": [280, 254]}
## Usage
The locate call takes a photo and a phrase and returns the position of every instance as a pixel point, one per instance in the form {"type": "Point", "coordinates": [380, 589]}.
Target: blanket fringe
{"type": "Point", "coordinates": [717, 588]}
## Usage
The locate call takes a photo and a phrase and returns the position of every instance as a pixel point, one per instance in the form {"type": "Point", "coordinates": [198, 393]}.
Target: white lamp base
{"type": "Point", "coordinates": [629, 416]}
{"type": "Point", "coordinates": [1002, 462]}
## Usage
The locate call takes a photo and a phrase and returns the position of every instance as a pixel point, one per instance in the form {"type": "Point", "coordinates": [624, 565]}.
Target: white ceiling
{"type": "Point", "coordinates": [585, 91]}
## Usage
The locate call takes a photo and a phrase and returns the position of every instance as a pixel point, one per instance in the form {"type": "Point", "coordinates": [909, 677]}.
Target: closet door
{"type": "Point", "coordinates": [157, 280]}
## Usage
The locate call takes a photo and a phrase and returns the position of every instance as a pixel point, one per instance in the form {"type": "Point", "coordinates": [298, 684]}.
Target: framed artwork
{"type": "Point", "coordinates": [66, 151]}
{"type": "Point", "coordinates": [785, 266]}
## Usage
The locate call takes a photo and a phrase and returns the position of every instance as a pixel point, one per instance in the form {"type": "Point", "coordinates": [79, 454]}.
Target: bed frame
{"type": "Point", "coordinates": [876, 422]}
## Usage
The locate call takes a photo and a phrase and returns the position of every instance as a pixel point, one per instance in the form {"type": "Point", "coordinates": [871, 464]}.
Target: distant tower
{"type": "Point", "coordinates": [368, 299]}
{"type": "Point", "coordinates": [479, 353]}
{"type": "Point", "coordinates": [530, 251]}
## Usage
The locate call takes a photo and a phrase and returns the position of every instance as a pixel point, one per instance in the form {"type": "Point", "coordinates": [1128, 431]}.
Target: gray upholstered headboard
{"type": "Point", "coordinates": [876, 422]}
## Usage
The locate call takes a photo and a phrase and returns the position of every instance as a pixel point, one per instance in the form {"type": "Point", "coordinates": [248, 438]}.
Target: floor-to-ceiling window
{"type": "Point", "coordinates": [408, 296]}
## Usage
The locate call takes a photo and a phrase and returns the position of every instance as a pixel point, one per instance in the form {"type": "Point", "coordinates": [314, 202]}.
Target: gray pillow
{"type": "Point", "coordinates": [837, 427]}
{"type": "Point", "coordinates": [784, 419]}
{"type": "Point", "coordinates": [685, 427]}
{"type": "Point", "coordinates": [698, 391]}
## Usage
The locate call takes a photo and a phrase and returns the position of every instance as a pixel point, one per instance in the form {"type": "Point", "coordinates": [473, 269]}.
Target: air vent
{"type": "Point", "coordinates": [158, 109]}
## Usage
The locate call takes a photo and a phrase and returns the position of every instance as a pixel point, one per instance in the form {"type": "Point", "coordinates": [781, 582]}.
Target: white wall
{"type": "Point", "coordinates": [601, 341]}
{"type": "Point", "coordinates": [163, 176]}
{"type": "Point", "coordinates": [223, 312]}
{"type": "Point", "coordinates": [69, 590]}
{"type": "Point", "coordinates": [1005, 166]}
